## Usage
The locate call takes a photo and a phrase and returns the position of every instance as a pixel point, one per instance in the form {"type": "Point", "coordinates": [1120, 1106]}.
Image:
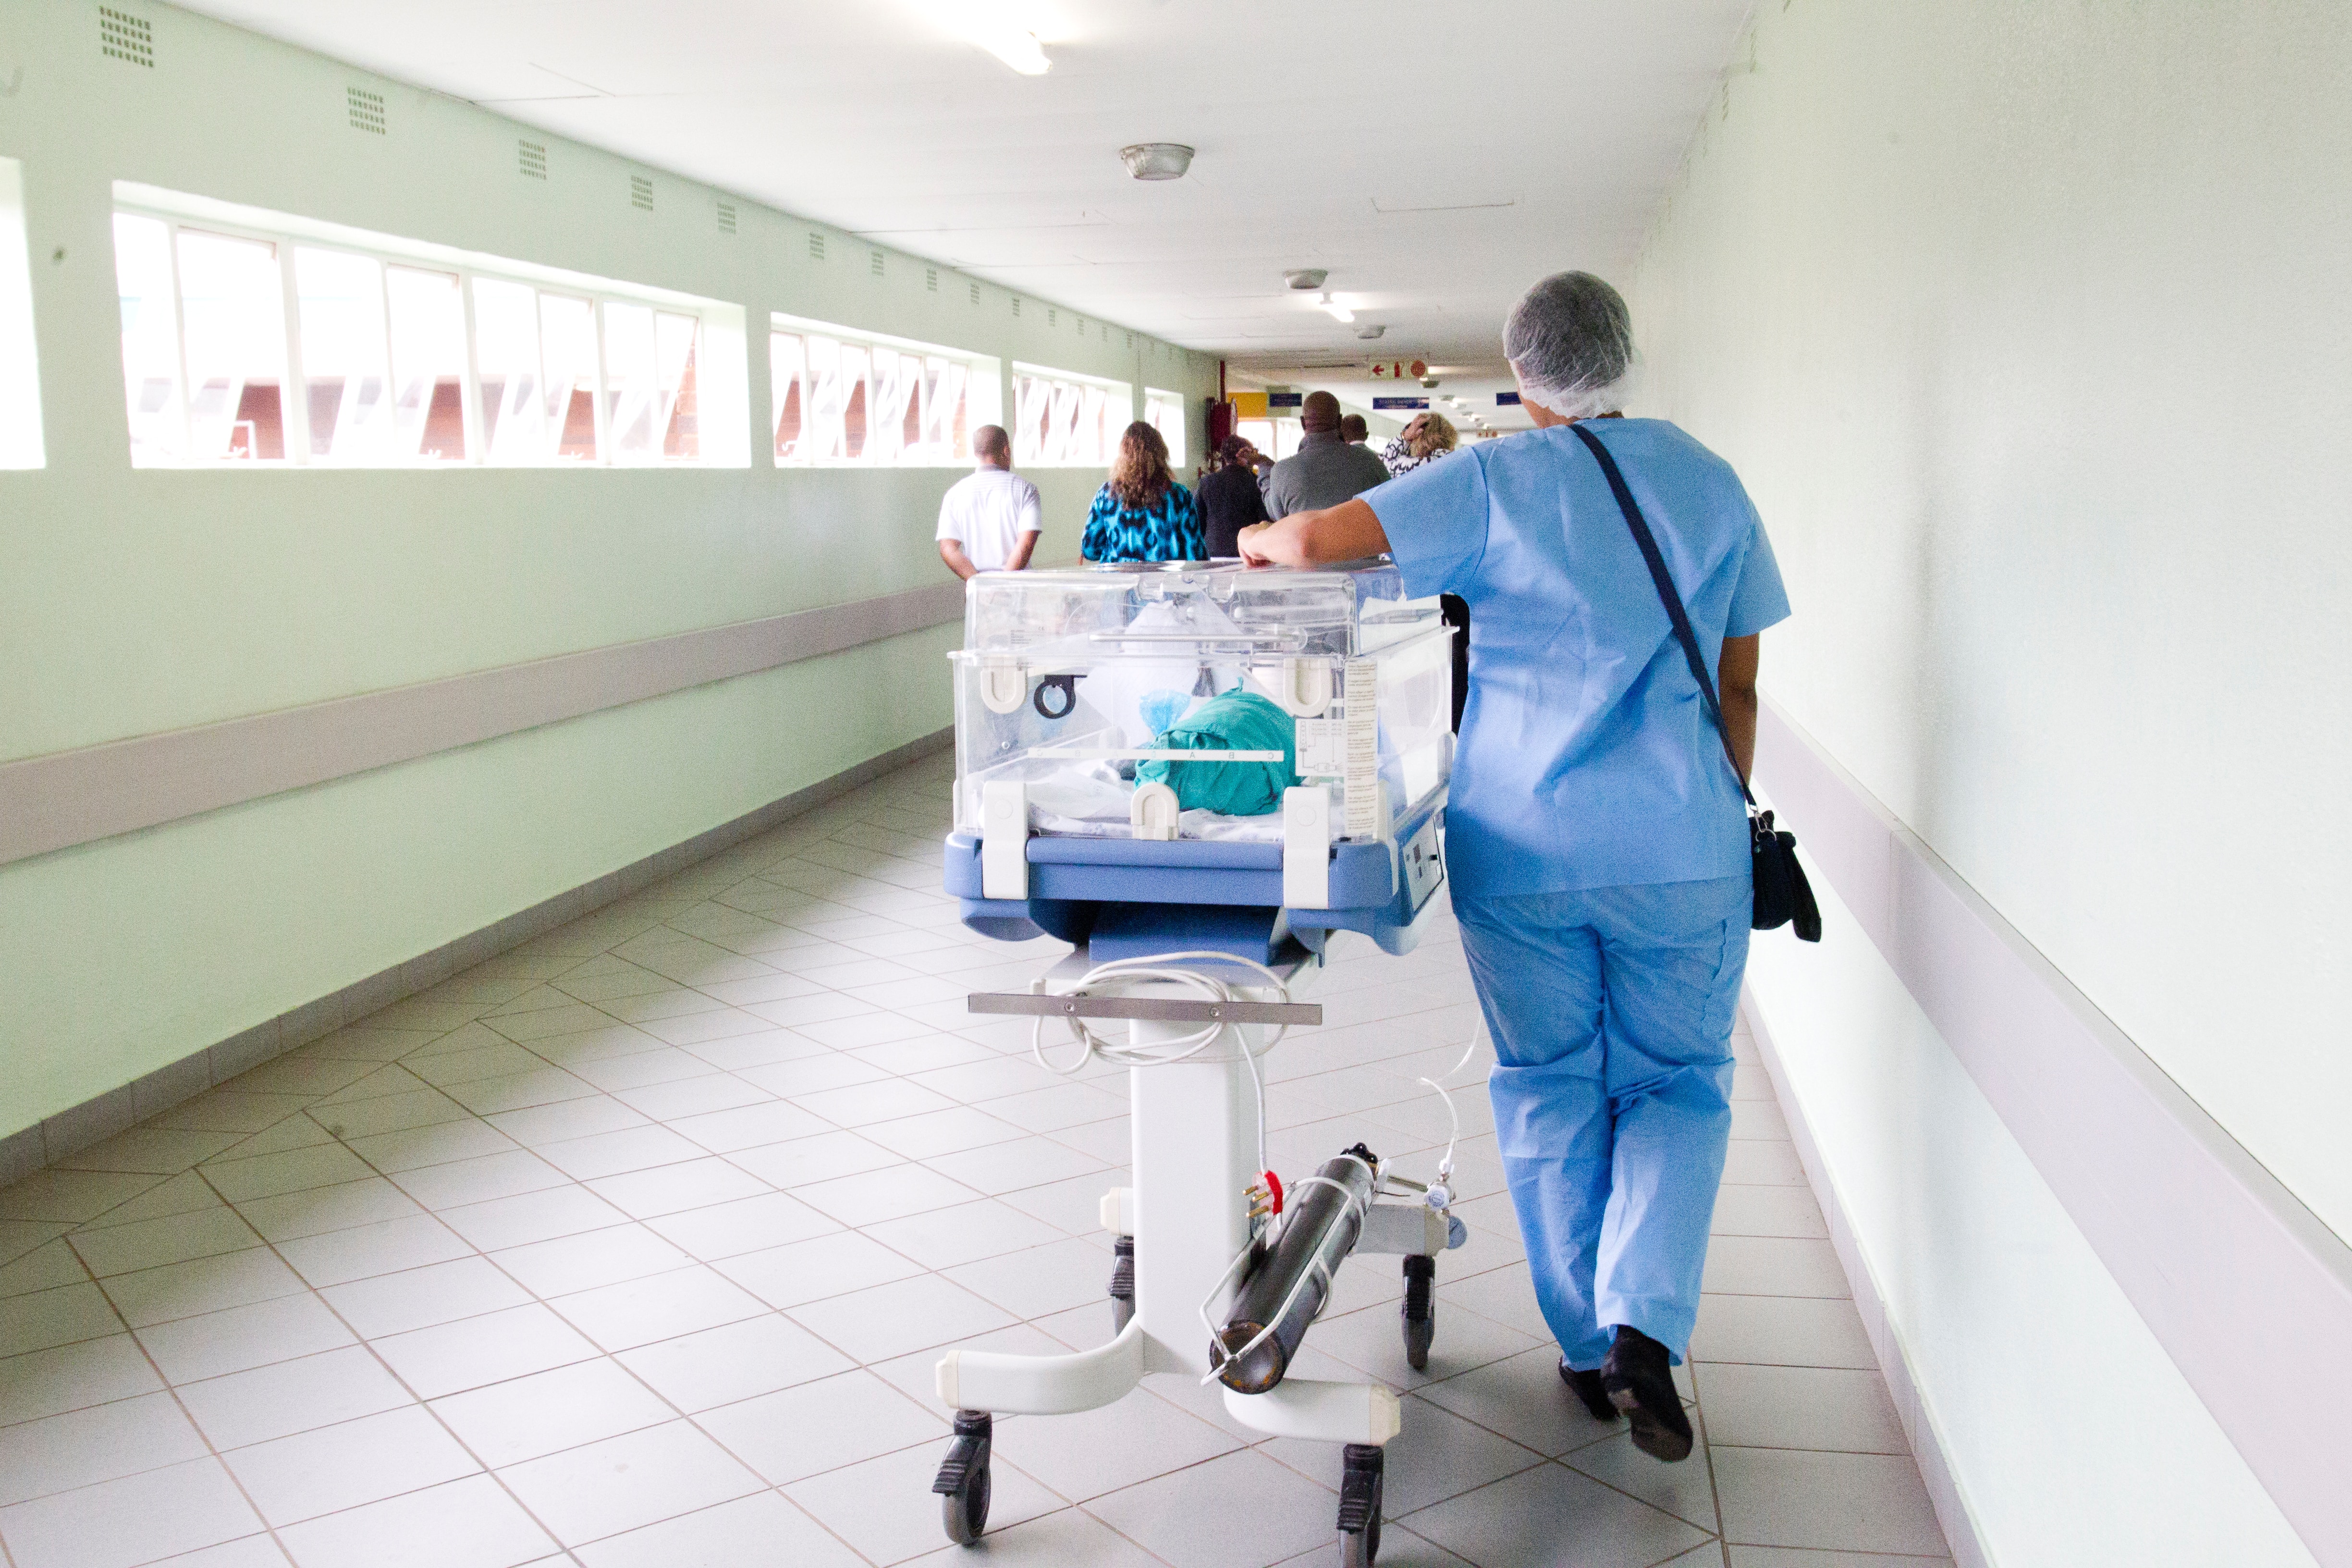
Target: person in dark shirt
{"type": "Point", "coordinates": [1230, 499]}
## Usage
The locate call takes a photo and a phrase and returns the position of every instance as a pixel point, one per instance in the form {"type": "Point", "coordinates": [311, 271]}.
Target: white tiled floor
{"type": "Point", "coordinates": [637, 1245]}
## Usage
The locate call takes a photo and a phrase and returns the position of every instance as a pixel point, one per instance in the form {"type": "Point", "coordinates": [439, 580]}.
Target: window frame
{"type": "Point", "coordinates": [1116, 394]}
{"type": "Point", "coordinates": [983, 393]}
{"type": "Point", "coordinates": [287, 234]}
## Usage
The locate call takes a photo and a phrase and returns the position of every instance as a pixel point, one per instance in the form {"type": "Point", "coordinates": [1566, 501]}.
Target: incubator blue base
{"type": "Point", "coordinates": [1380, 889]}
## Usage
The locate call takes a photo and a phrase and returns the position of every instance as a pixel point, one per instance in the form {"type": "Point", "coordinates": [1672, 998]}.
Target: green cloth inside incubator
{"type": "Point", "coordinates": [1237, 722]}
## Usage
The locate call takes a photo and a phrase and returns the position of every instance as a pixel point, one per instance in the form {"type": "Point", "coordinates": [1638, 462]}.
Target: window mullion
{"type": "Point", "coordinates": [605, 453]}
{"type": "Point", "coordinates": [390, 371]}
{"type": "Point", "coordinates": [180, 339]}
{"type": "Point", "coordinates": [294, 415]}
{"type": "Point", "coordinates": [469, 385]}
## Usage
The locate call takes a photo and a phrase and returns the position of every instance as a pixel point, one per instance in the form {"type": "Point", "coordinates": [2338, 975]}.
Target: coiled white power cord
{"type": "Point", "coordinates": [1121, 974]}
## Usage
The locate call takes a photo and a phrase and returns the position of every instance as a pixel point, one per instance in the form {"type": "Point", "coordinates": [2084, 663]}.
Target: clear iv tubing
{"type": "Point", "coordinates": [1445, 1165]}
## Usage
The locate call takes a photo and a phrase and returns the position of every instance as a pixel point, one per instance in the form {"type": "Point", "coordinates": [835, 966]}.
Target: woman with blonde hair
{"type": "Point", "coordinates": [1141, 513]}
{"type": "Point", "coordinates": [1429, 436]}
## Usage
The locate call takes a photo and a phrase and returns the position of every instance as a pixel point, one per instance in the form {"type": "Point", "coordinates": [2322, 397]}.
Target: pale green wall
{"type": "Point", "coordinates": [2025, 324]}
{"type": "Point", "coordinates": [137, 602]}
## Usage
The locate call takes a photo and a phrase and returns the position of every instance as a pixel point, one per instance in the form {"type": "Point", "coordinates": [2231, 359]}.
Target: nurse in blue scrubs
{"type": "Point", "coordinates": [1596, 840]}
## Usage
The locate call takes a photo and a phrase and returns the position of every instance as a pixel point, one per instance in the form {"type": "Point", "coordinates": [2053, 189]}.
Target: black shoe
{"type": "Point", "coordinates": [1640, 1383]}
{"type": "Point", "coordinates": [1585, 1387]}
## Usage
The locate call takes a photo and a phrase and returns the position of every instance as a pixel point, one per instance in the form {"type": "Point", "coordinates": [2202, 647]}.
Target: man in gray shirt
{"type": "Point", "coordinates": [1326, 470]}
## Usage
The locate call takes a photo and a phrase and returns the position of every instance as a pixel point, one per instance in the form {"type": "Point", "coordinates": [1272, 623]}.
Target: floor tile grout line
{"type": "Point", "coordinates": [418, 1402]}
{"type": "Point", "coordinates": [180, 1403]}
{"type": "Point", "coordinates": [1713, 1483]}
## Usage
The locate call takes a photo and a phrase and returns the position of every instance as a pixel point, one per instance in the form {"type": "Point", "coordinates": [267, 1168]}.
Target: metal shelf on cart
{"type": "Point", "coordinates": [1154, 1009]}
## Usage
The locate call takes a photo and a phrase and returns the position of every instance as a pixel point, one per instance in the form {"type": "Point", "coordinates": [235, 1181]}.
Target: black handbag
{"type": "Point", "coordinates": [1783, 896]}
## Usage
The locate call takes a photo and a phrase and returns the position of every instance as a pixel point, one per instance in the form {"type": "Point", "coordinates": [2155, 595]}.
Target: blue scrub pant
{"type": "Point", "coordinates": [1611, 1012]}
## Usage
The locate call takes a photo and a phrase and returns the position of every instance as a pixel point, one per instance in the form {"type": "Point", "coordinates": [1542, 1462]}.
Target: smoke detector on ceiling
{"type": "Point", "coordinates": [1157, 160]}
{"type": "Point", "coordinates": [1371, 330]}
{"type": "Point", "coordinates": [1305, 278]}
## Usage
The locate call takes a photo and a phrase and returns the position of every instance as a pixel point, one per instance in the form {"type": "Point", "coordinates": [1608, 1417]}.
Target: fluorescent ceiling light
{"type": "Point", "coordinates": [1016, 47]}
{"type": "Point", "coordinates": [1339, 312]}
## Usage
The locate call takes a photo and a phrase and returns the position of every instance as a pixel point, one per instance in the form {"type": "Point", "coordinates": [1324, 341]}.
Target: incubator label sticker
{"type": "Point", "coordinates": [1322, 748]}
{"type": "Point", "coordinates": [1360, 777]}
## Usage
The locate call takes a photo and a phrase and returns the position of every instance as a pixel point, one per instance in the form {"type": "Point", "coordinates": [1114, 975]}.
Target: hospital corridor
{"type": "Point", "coordinates": [1087, 783]}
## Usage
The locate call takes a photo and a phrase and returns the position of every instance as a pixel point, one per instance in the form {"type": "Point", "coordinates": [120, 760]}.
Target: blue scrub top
{"type": "Point", "coordinates": [1587, 758]}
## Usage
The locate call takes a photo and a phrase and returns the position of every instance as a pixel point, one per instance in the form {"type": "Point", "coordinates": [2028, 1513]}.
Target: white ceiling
{"type": "Point", "coordinates": [1434, 160]}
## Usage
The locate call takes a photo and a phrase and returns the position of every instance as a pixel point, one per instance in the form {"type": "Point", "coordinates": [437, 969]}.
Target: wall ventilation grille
{"type": "Point", "coordinates": [727, 217]}
{"type": "Point", "coordinates": [816, 247]}
{"type": "Point", "coordinates": [367, 109]}
{"type": "Point", "coordinates": [932, 279]}
{"type": "Point", "coordinates": [640, 193]}
{"type": "Point", "coordinates": [975, 293]}
{"type": "Point", "coordinates": [531, 158]}
{"type": "Point", "coordinates": [874, 262]}
{"type": "Point", "coordinates": [1053, 317]}
{"type": "Point", "coordinates": [1130, 340]}
{"type": "Point", "coordinates": [123, 37]}
{"type": "Point", "coordinates": [1016, 304]}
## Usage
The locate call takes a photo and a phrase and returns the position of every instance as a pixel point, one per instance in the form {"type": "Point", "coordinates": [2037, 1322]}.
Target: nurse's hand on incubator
{"type": "Point", "coordinates": [1349, 531]}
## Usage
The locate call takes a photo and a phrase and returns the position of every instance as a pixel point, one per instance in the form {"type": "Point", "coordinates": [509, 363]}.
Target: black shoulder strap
{"type": "Point", "coordinates": [1672, 601]}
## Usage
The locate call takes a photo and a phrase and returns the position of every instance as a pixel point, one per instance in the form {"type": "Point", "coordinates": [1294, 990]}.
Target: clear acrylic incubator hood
{"type": "Point", "coordinates": [1259, 755]}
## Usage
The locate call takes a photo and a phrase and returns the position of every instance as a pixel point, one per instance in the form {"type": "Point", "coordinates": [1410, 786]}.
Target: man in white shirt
{"type": "Point", "coordinates": [990, 520]}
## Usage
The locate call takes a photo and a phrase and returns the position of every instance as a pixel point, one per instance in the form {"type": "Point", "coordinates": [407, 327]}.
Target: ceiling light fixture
{"type": "Point", "coordinates": [1338, 311]}
{"type": "Point", "coordinates": [1305, 278]}
{"type": "Point", "coordinates": [1371, 330]}
{"type": "Point", "coordinates": [1157, 160]}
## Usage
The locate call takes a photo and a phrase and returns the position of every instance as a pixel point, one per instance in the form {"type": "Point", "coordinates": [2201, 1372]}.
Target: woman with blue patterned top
{"type": "Point", "coordinates": [1141, 513]}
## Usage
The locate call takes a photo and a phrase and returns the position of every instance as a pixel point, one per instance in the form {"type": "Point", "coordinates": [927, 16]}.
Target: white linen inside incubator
{"type": "Point", "coordinates": [1090, 800]}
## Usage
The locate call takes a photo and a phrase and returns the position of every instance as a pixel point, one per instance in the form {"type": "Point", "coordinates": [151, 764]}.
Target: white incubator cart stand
{"type": "Point", "coordinates": [1196, 774]}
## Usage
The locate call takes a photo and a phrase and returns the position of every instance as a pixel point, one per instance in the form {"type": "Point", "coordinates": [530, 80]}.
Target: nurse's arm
{"type": "Point", "coordinates": [1349, 531]}
{"type": "Point", "coordinates": [1734, 682]}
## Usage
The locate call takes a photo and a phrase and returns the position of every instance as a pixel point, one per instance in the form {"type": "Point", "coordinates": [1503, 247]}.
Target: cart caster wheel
{"type": "Point", "coordinates": [1359, 1505]}
{"type": "Point", "coordinates": [962, 1482]}
{"type": "Point", "coordinates": [1420, 1311]}
{"type": "Point", "coordinates": [1122, 1284]}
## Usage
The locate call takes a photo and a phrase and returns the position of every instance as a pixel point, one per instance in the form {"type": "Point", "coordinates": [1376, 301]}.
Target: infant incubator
{"type": "Point", "coordinates": [1071, 687]}
{"type": "Point", "coordinates": [1195, 774]}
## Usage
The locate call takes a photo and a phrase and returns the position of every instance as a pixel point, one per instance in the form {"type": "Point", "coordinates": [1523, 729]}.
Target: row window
{"type": "Point", "coordinates": [843, 399]}
{"type": "Point", "coordinates": [1278, 438]}
{"type": "Point", "coordinates": [1066, 421]}
{"type": "Point", "coordinates": [1165, 413]}
{"type": "Point", "coordinates": [20, 383]}
{"type": "Point", "coordinates": [242, 348]}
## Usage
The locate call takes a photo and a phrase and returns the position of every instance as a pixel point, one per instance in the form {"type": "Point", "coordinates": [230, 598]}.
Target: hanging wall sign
{"type": "Point", "coordinates": [1379, 403]}
{"type": "Point", "coordinates": [1506, 400]}
{"type": "Point", "coordinates": [1284, 399]}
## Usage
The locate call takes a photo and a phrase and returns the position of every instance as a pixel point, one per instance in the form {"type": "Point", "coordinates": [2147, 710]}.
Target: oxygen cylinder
{"type": "Point", "coordinates": [1319, 1231]}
